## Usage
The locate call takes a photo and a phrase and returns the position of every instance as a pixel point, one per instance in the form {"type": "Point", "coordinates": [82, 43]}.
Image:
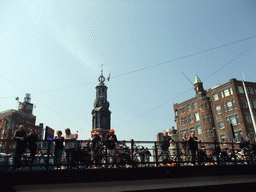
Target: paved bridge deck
{"type": "Point", "coordinates": [210, 183]}
{"type": "Point", "coordinates": [129, 179]}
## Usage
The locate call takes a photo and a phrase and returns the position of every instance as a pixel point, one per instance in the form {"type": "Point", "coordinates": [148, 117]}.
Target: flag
{"type": "Point", "coordinates": [109, 76]}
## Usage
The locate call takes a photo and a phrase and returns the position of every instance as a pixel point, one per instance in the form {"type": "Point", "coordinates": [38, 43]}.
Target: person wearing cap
{"type": "Point", "coordinates": [95, 146]}
{"type": "Point", "coordinates": [111, 143]}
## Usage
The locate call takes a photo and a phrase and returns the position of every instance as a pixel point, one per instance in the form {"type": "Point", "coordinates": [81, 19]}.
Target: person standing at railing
{"type": "Point", "coordinates": [58, 148]}
{"type": "Point", "coordinates": [193, 146]}
{"type": "Point", "coordinates": [111, 142]}
{"type": "Point", "coordinates": [32, 144]}
{"type": "Point", "coordinates": [184, 143]}
{"type": "Point", "coordinates": [243, 144]}
{"type": "Point", "coordinates": [20, 136]}
{"type": "Point", "coordinates": [69, 146]}
{"type": "Point", "coordinates": [147, 156]}
{"type": "Point", "coordinates": [95, 146]}
{"type": "Point", "coordinates": [165, 143]}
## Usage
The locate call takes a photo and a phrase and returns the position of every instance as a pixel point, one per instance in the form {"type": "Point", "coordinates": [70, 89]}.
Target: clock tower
{"type": "Point", "coordinates": [101, 113]}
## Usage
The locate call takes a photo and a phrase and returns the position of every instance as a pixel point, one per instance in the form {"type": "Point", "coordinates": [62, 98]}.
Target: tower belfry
{"type": "Point", "coordinates": [101, 113]}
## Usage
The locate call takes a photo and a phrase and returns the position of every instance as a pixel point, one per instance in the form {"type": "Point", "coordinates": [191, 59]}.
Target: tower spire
{"type": "Point", "coordinates": [197, 80]}
{"type": "Point", "coordinates": [101, 79]}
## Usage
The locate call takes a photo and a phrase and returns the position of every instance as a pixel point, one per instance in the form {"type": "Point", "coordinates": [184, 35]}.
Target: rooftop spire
{"type": "Point", "coordinates": [197, 80]}
{"type": "Point", "coordinates": [101, 79]}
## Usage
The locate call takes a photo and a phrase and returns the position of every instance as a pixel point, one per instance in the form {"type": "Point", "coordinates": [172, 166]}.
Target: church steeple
{"type": "Point", "coordinates": [197, 80]}
{"type": "Point", "coordinates": [198, 86]}
{"type": "Point", "coordinates": [101, 113]}
{"type": "Point", "coordinates": [101, 93]}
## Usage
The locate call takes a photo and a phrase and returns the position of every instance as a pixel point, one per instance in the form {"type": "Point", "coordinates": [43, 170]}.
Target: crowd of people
{"type": "Point", "coordinates": [96, 143]}
{"type": "Point", "coordinates": [189, 148]}
{"type": "Point", "coordinates": [63, 144]}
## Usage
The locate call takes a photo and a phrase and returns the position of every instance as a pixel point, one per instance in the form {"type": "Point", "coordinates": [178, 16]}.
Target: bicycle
{"type": "Point", "coordinates": [103, 159]}
{"type": "Point", "coordinates": [23, 163]}
{"type": "Point", "coordinates": [139, 155]}
{"type": "Point", "coordinates": [123, 159]}
{"type": "Point", "coordinates": [46, 161]}
{"type": "Point", "coordinates": [181, 159]}
{"type": "Point", "coordinates": [164, 159]}
{"type": "Point", "coordinates": [83, 158]}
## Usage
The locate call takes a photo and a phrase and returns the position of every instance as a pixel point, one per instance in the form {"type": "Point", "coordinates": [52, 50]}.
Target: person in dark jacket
{"type": "Point", "coordinates": [20, 136]}
{"type": "Point", "coordinates": [58, 148]}
{"type": "Point", "coordinates": [243, 144]}
{"type": "Point", "coordinates": [166, 140]}
{"type": "Point", "coordinates": [111, 142]}
{"type": "Point", "coordinates": [193, 146]}
{"type": "Point", "coordinates": [95, 146]}
{"type": "Point", "coordinates": [32, 144]}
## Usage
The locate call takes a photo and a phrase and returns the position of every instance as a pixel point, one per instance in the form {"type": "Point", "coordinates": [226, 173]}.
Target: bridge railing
{"type": "Point", "coordinates": [127, 154]}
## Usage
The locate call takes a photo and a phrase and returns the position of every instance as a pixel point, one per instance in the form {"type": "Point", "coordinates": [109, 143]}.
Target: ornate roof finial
{"type": "Point", "coordinates": [197, 80]}
{"type": "Point", "coordinates": [101, 78]}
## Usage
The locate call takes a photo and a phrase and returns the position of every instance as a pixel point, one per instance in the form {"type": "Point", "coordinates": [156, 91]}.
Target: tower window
{"type": "Point", "coordinates": [208, 118]}
{"type": "Point", "coordinates": [222, 95]}
{"type": "Point", "coordinates": [189, 107]}
{"type": "Point", "coordinates": [229, 105]}
{"type": "Point", "coordinates": [240, 89]}
{"type": "Point", "coordinates": [195, 105]}
{"type": "Point", "coordinates": [234, 103]}
{"type": "Point", "coordinates": [226, 93]}
{"type": "Point", "coordinates": [221, 125]}
{"type": "Point", "coordinates": [231, 91]}
{"type": "Point", "coordinates": [204, 119]}
{"type": "Point", "coordinates": [190, 119]}
{"type": "Point", "coordinates": [197, 116]}
{"type": "Point", "coordinates": [250, 90]}
{"type": "Point", "coordinates": [244, 103]}
{"type": "Point", "coordinates": [218, 109]}
{"type": "Point", "coordinates": [199, 130]}
{"type": "Point", "coordinates": [225, 107]}
{"type": "Point", "coordinates": [215, 97]}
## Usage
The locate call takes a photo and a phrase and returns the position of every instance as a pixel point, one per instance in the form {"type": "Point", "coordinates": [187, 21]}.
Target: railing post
{"type": "Point", "coordinates": [156, 152]}
{"type": "Point", "coordinates": [233, 151]}
{"type": "Point", "coordinates": [132, 144]}
{"type": "Point", "coordinates": [106, 152]}
{"type": "Point", "coordinates": [48, 152]}
{"type": "Point", "coordinates": [218, 154]}
{"type": "Point", "coordinates": [78, 149]}
{"type": "Point", "coordinates": [178, 152]}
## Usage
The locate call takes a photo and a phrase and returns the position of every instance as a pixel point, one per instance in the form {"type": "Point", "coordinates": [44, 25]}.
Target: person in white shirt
{"type": "Point", "coordinates": [69, 146]}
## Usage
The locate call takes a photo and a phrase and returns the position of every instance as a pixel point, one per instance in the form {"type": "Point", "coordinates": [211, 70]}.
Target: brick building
{"type": "Point", "coordinates": [10, 121]}
{"type": "Point", "coordinates": [211, 113]}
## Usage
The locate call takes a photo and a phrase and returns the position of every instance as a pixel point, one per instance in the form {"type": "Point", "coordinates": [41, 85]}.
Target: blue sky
{"type": "Point", "coordinates": [53, 50]}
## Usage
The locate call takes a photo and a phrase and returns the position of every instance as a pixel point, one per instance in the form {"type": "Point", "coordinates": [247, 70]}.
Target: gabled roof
{"type": "Point", "coordinates": [197, 80]}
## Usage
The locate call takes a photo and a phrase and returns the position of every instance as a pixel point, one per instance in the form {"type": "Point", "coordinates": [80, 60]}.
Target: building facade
{"type": "Point", "coordinates": [10, 121]}
{"type": "Point", "coordinates": [101, 113]}
{"type": "Point", "coordinates": [213, 113]}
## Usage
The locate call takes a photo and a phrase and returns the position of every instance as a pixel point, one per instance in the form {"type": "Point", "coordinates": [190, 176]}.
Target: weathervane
{"type": "Point", "coordinates": [101, 78]}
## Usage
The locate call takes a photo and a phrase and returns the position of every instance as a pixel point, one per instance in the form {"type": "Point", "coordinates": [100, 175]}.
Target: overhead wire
{"type": "Point", "coordinates": [190, 55]}
{"type": "Point", "coordinates": [188, 89]}
{"type": "Point", "coordinates": [141, 69]}
{"type": "Point", "coordinates": [184, 57]}
{"type": "Point", "coordinates": [39, 102]}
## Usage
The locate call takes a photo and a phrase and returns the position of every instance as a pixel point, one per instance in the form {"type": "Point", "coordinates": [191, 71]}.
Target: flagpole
{"type": "Point", "coordinates": [249, 104]}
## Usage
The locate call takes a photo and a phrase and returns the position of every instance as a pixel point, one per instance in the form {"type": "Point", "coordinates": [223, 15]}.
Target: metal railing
{"type": "Point", "coordinates": [127, 154]}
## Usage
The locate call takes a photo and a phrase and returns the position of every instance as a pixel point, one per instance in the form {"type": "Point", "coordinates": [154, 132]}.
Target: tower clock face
{"type": "Point", "coordinates": [29, 107]}
{"type": "Point", "coordinates": [102, 95]}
